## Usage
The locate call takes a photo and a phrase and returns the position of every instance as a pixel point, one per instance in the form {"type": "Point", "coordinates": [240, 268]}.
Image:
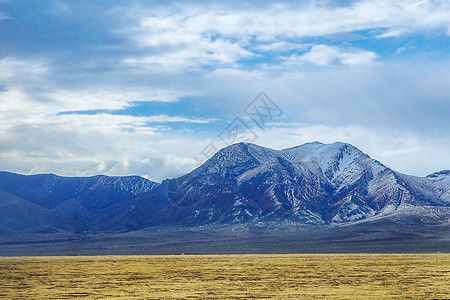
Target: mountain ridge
{"type": "Point", "coordinates": [311, 184]}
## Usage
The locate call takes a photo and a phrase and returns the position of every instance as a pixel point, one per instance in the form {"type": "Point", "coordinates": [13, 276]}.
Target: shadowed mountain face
{"type": "Point", "coordinates": [244, 183]}
{"type": "Point", "coordinates": [78, 204]}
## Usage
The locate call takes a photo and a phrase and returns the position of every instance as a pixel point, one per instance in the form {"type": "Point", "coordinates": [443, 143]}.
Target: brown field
{"type": "Point", "coordinates": [341, 276]}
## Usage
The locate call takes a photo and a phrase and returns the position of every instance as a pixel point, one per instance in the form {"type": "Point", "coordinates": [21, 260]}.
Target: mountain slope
{"type": "Point", "coordinates": [315, 184]}
{"type": "Point", "coordinates": [48, 190]}
{"type": "Point", "coordinates": [18, 215]}
{"type": "Point", "coordinates": [85, 204]}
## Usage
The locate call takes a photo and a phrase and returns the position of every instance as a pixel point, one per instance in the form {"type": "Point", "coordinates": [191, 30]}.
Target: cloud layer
{"type": "Point", "coordinates": [132, 87]}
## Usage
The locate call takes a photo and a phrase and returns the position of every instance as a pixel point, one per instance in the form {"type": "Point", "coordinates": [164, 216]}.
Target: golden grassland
{"type": "Point", "coordinates": [342, 276]}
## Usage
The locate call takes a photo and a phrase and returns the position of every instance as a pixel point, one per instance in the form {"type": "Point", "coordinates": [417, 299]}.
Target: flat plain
{"type": "Point", "coordinates": [341, 276]}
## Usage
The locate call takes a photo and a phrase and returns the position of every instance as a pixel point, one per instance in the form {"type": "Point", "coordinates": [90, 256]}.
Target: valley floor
{"type": "Point", "coordinates": [343, 276]}
{"type": "Point", "coordinates": [371, 237]}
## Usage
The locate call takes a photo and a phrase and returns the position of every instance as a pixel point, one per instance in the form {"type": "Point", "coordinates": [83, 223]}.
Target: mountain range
{"type": "Point", "coordinates": [312, 184]}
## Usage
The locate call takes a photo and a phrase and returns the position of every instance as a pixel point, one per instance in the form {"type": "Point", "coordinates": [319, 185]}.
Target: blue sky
{"type": "Point", "coordinates": [143, 87]}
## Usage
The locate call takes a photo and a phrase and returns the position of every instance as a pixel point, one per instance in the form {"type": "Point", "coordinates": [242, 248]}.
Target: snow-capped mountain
{"type": "Point", "coordinates": [313, 183]}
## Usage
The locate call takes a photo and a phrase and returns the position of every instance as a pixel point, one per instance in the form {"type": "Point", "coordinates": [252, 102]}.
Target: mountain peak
{"type": "Point", "coordinates": [241, 151]}
{"type": "Point", "coordinates": [314, 183]}
{"type": "Point", "coordinates": [439, 174]}
{"type": "Point", "coordinates": [316, 151]}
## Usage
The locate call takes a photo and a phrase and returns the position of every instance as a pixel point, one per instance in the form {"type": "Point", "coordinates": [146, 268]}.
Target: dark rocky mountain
{"type": "Point", "coordinates": [316, 184]}
{"type": "Point", "coordinates": [75, 204]}
{"type": "Point", "coordinates": [312, 184]}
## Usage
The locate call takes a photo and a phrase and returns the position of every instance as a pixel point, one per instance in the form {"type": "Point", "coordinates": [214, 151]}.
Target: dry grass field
{"type": "Point", "coordinates": [342, 276]}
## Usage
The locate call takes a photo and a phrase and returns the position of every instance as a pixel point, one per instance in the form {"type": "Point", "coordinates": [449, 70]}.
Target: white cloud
{"type": "Point", "coordinates": [36, 138]}
{"type": "Point", "coordinates": [183, 42]}
{"type": "Point", "coordinates": [281, 47]}
{"type": "Point", "coordinates": [394, 32]}
{"type": "Point", "coordinates": [75, 145]}
{"type": "Point", "coordinates": [111, 98]}
{"type": "Point", "coordinates": [29, 71]}
{"type": "Point", "coordinates": [326, 55]}
{"type": "Point", "coordinates": [4, 16]}
{"type": "Point", "coordinates": [29, 88]}
{"type": "Point", "coordinates": [192, 57]}
{"type": "Point", "coordinates": [23, 101]}
{"type": "Point", "coordinates": [190, 37]}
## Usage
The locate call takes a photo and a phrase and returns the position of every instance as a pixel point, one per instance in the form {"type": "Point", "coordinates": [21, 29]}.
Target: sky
{"type": "Point", "coordinates": [153, 88]}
